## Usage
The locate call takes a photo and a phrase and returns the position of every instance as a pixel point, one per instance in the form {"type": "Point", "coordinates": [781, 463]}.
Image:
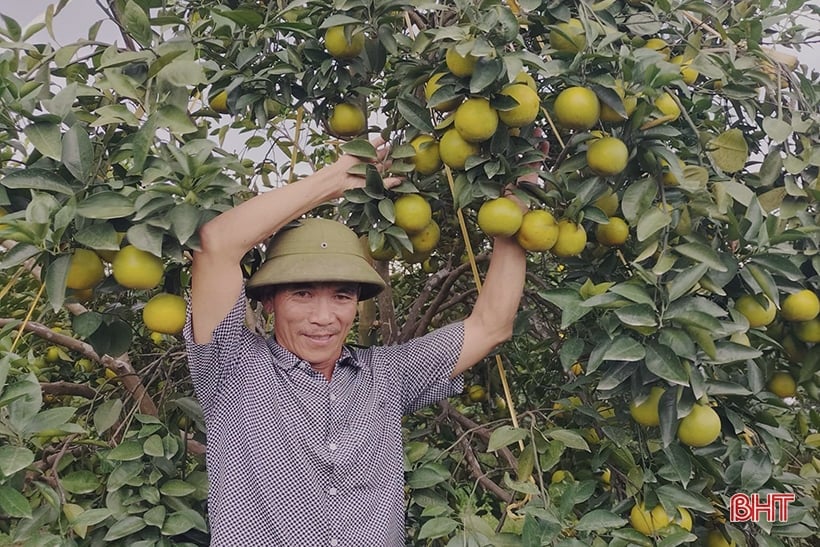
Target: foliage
{"type": "Point", "coordinates": [106, 145]}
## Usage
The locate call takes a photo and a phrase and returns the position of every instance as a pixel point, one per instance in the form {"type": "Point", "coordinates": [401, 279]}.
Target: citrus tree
{"type": "Point", "coordinates": [665, 356]}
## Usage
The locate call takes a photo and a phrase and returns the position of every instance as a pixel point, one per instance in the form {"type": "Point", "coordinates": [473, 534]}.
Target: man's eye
{"type": "Point", "coordinates": [301, 294]}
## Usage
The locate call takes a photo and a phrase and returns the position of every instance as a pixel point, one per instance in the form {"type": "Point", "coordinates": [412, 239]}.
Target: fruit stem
{"type": "Point", "coordinates": [297, 130]}
{"type": "Point", "coordinates": [28, 318]}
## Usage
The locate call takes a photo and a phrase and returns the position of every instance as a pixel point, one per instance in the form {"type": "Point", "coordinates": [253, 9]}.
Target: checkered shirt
{"type": "Point", "coordinates": [297, 461]}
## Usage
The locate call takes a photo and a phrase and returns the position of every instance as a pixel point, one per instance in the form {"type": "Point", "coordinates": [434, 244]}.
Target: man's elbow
{"type": "Point", "coordinates": [210, 239]}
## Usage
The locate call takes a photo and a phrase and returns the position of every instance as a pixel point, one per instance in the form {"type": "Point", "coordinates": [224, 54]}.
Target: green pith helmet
{"type": "Point", "coordinates": [316, 250]}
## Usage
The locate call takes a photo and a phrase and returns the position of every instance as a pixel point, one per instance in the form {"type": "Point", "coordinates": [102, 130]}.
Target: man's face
{"type": "Point", "coordinates": [312, 320]}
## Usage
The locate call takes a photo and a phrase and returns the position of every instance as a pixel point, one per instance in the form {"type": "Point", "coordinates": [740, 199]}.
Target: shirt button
{"type": "Point", "coordinates": [332, 491]}
{"type": "Point", "coordinates": [332, 446]}
{"type": "Point", "coordinates": [334, 542]}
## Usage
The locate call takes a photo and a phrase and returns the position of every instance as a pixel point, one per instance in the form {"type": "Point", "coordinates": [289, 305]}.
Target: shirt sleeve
{"type": "Point", "coordinates": [210, 363]}
{"type": "Point", "coordinates": [423, 366]}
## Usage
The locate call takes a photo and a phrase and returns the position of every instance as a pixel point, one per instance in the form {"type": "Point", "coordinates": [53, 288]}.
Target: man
{"type": "Point", "coordinates": [304, 434]}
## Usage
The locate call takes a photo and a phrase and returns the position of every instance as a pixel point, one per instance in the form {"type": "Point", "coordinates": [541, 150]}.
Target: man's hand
{"type": "Point", "coordinates": [345, 163]}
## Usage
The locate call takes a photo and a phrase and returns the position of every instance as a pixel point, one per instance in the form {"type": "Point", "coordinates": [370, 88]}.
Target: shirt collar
{"type": "Point", "coordinates": [283, 358]}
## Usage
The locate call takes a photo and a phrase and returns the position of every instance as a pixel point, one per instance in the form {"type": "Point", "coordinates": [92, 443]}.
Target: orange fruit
{"type": "Point", "coordinates": [538, 231]}
{"type": "Point", "coordinates": [668, 106]}
{"type": "Point", "coordinates": [568, 37]}
{"type": "Point", "coordinates": [700, 427]}
{"type": "Point", "coordinates": [461, 66]}
{"type": "Point", "coordinates": [219, 102]}
{"type": "Point", "coordinates": [500, 217]}
{"type": "Point", "coordinates": [572, 238]}
{"type": "Point", "coordinates": [648, 522]}
{"type": "Point", "coordinates": [137, 269]}
{"type": "Point", "coordinates": [165, 313]}
{"type": "Point", "coordinates": [454, 150]}
{"type": "Point", "coordinates": [347, 120]}
{"type": "Point", "coordinates": [338, 45]}
{"type": "Point", "coordinates": [431, 86]}
{"type": "Point", "coordinates": [607, 156]}
{"type": "Point", "coordinates": [427, 239]}
{"type": "Point", "coordinates": [758, 315]}
{"type": "Point", "coordinates": [646, 412]}
{"type": "Point", "coordinates": [527, 109]}
{"type": "Point", "coordinates": [782, 384]}
{"type": "Point", "coordinates": [413, 213]}
{"type": "Point", "coordinates": [800, 306]}
{"type": "Point", "coordinates": [427, 159]}
{"type": "Point", "coordinates": [614, 233]}
{"type": "Point", "coordinates": [85, 270]}
{"type": "Point", "coordinates": [577, 108]}
{"type": "Point", "coordinates": [476, 120]}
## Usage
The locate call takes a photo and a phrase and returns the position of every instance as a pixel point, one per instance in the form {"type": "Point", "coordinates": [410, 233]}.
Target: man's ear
{"type": "Point", "coordinates": [267, 304]}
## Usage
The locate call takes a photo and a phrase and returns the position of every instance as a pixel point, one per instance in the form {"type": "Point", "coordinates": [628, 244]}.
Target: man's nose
{"type": "Point", "coordinates": [322, 311]}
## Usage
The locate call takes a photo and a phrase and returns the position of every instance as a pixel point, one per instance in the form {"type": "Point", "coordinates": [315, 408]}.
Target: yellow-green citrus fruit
{"type": "Point", "coordinates": [432, 86]}
{"type": "Point", "coordinates": [165, 313]}
{"type": "Point", "coordinates": [808, 331]}
{"type": "Point", "coordinates": [572, 238]}
{"type": "Point", "coordinates": [648, 522]}
{"type": "Point", "coordinates": [413, 213]}
{"type": "Point", "coordinates": [538, 231]}
{"type": "Point", "coordinates": [560, 475]}
{"type": "Point", "coordinates": [668, 106]}
{"type": "Point", "coordinates": [414, 257]}
{"type": "Point", "coordinates": [526, 79]}
{"type": "Point", "coordinates": [476, 393]}
{"type": "Point", "coordinates": [688, 74]}
{"type": "Point", "coordinates": [347, 120]}
{"type": "Point", "coordinates": [107, 254]}
{"type": "Point", "coordinates": [614, 233]}
{"type": "Point", "coordinates": [458, 65]}
{"type": "Point", "coordinates": [658, 45]}
{"type": "Point", "coordinates": [700, 427]}
{"type": "Point", "coordinates": [668, 177]}
{"type": "Point", "coordinates": [800, 306]}
{"type": "Point", "coordinates": [607, 156]}
{"type": "Point", "coordinates": [629, 103]}
{"type": "Point", "coordinates": [568, 37]}
{"type": "Point", "coordinates": [577, 108]}
{"type": "Point", "coordinates": [219, 102]}
{"type": "Point", "coordinates": [454, 150]}
{"type": "Point", "coordinates": [500, 217]}
{"type": "Point", "coordinates": [137, 269]}
{"type": "Point", "coordinates": [716, 539]}
{"type": "Point", "coordinates": [85, 270]}
{"type": "Point", "coordinates": [427, 239]}
{"type": "Point", "coordinates": [427, 159]}
{"type": "Point", "coordinates": [528, 106]}
{"type": "Point", "coordinates": [608, 202]}
{"type": "Point", "coordinates": [156, 338]}
{"type": "Point", "coordinates": [685, 519]}
{"type": "Point", "coordinates": [782, 384]}
{"type": "Point", "coordinates": [338, 45]}
{"type": "Point", "coordinates": [52, 354]}
{"type": "Point", "coordinates": [646, 412]}
{"type": "Point", "coordinates": [758, 315]}
{"type": "Point", "coordinates": [476, 120]}
{"type": "Point", "coordinates": [385, 252]}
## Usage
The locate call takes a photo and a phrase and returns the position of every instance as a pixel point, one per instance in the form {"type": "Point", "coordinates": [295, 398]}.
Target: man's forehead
{"type": "Point", "coordinates": [335, 285]}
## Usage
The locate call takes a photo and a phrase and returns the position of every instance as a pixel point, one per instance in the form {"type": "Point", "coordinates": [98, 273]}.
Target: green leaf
{"type": "Point", "coordinates": [428, 475]}
{"type": "Point", "coordinates": [662, 362]}
{"type": "Point", "coordinates": [14, 458]}
{"type": "Point", "coordinates": [387, 209]}
{"type": "Point", "coordinates": [729, 150]}
{"type": "Point", "coordinates": [673, 495]}
{"type": "Point", "coordinates": [569, 302]}
{"type": "Point", "coordinates": [80, 482]}
{"type": "Point", "coordinates": [360, 148]}
{"type": "Point", "coordinates": [90, 517]}
{"type": "Point", "coordinates": [182, 521]}
{"type": "Point", "coordinates": [126, 451]}
{"type": "Point", "coordinates": [153, 446]}
{"type": "Point", "coordinates": [52, 418]}
{"type": "Point", "coordinates": [78, 153]}
{"type": "Point", "coordinates": [175, 119]}
{"type": "Point", "coordinates": [756, 471]}
{"type": "Point", "coordinates": [637, 315]}
{"type": "Point", "coordinates": [246, 17]}
{"type": "Point", "coordinates": [600, 519]}
{"type": "Point", "coordinates": [184, 221]}
{"type": "Point", "coordinates": [485, 74]}
{"type": "Point", "coordinates": [105, 205]}
{"type": "Point", "coordinates": [107, 415]}
{"type": "Point", "coordinates": [101, 236]}
{"type": "Point", "coordinates": [652, 221]}
{"type": "Point", "coordinates": [777, 129]}
{"type": "Point", "coordinates": [37, 179]}
{"type": "Point", "coordinates": [56, 275]}
{"type": "Point", "coordinates": [136, 22]}
{"type": "Point", "coordinates": [505, 436]}
{"type": "Point", "coordinates": [624, 348]}
{"type": "Point", "coordinates": [634, 292]}
{"type": "Point", "coordinates": [680, 464]}
{"type": "Point", "coordinates": [112, 338]}
{"type": "Point", "coordinates": [683, 282]}
{"type": "Point", "coordinates": [437, 527]}
{"type": "Point", "coordinates": [414, 114]}
{"type": "Point", "coordinates": [569, 438]}
{"type": "Point", "coordinates": [46, 138]}
{"type": "Point", "coordinates": [125, 527]}
{"type": "Point", "coordinates": [155, 516]}
{"type": "Point", "coordinates": [701, 253]}
{"type": "Point", "coordinates": [13, 503]}
{"type": "Point", "coordinates": [176, 488]}
{"type": "Point", "coordinates": [182, 73]}
{"type": "Point", "coordinates": [778, 264]}
{"type": "Point", "coordinates": [638, 197]}
{"type": "Point", "coordinates": [729, 352]}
